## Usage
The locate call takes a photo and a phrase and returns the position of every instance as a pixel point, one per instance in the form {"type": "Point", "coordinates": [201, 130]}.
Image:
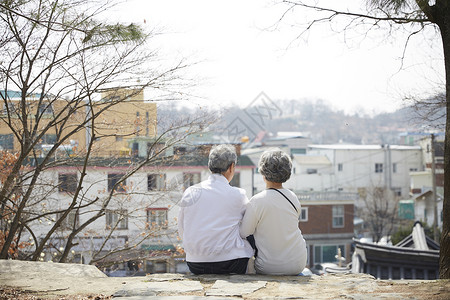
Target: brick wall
{"type": "Point", "coordinates": [320, 220]}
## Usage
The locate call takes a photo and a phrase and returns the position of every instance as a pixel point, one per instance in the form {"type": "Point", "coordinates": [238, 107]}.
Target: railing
{"type": "Point", "coordinates": [323, 196]}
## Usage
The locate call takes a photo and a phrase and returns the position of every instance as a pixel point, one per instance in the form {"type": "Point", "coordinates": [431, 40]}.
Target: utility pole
{"type": "Point", "coordinates": [433, 181]}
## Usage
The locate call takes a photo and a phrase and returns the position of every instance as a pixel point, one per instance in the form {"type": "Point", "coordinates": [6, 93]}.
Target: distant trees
{"type": "Point", "coordinates": [413, 16]}
{"type": "Point", "coordinates": [57, 57]}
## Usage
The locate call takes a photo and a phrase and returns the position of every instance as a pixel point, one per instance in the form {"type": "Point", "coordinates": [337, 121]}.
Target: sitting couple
{"type": "Point", "coordinates": [215, 220]}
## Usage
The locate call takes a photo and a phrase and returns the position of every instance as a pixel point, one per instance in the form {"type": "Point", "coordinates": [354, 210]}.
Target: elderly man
{"type": "Point", "coordinates": [209, 219]}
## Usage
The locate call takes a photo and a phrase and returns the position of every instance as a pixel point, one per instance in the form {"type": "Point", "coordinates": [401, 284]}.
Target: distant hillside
{"type": "Point", "coordinates": [321, 123]}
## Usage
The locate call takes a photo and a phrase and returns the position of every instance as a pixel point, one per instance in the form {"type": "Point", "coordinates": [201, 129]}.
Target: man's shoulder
{"type": "Point", "coordinates": [239, 190]}
{"type": "Point", "coordinates": [229, 189]}
{"type": "Point", "coordinates": [191, 195]}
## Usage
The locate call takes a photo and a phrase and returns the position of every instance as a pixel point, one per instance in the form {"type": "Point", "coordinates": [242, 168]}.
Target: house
{"type": "Point", "coordinates": [358, 168]}
{"type": "Point", "coordinates": [10, 110]}
{"type": "Point", "coordinates": [421, 184]}
{"type": "Point", "coordinates": [116, 127]}
{"type": "Point", "coordinates": [311, 173]}
{"type": "Point", "coordinates": [326, 222]}
{"type": "Point", "coordinates": [424, 205]}
{"type": "Point", "coordinates": [348, 168]}
{"type": "Point", "coordinates": [415, 257]}
{"type": "Point", "coordinates": [294, 142]}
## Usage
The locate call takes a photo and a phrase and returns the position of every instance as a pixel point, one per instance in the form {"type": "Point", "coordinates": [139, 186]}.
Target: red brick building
{"type": "Point", "coordinates": [326, 222]}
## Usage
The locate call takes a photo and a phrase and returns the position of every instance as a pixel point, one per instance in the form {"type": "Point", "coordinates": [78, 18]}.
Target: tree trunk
{"type": "Point", "coordinates": [442, 15]}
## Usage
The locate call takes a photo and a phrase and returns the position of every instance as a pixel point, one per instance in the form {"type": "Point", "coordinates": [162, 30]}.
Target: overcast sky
{"type": "Point", "coordinates": [242, 55]}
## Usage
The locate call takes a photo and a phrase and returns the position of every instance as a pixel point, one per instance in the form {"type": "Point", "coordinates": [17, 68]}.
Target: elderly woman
{"type": "Point", "coordinates": [209, 219]}
{"type": "Point", "coordinates": [272, 217]}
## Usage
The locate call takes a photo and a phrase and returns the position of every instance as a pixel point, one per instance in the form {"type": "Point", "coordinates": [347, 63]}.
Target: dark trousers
{"type": "Point", "coordinates": [251, 240]}
{"type": "Point", "coordinates": [234, 266]}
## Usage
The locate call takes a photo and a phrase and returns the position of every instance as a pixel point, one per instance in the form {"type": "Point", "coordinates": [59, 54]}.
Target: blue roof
{"type": "Point", "coordinates": [16, 94]}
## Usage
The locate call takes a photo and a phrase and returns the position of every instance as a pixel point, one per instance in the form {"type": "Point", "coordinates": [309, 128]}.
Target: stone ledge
{"type": "Point", "coordinates": [56, 280]}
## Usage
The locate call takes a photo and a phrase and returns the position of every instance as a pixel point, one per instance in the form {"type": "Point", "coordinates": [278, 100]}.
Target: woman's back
{"type": "Point", "coordinates": [274, 224]}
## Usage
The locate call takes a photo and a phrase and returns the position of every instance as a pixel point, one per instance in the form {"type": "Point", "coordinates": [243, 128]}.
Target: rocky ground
{"type": "Point", "coordinates": [35, 280]}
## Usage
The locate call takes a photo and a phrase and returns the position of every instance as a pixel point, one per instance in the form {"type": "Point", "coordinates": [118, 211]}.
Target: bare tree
{"type": "Point", "coordinates": [413, 16]}
{"type": "Point", "coordinates": [56, 59]}
{"type": "Point", "coordinates": [379, 210]}
{"type": "Point", "coordinates": [432, 110]}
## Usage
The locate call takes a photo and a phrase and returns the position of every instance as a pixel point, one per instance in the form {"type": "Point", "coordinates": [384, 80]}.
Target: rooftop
{"type": "Point", "coordinates": [363, 147]}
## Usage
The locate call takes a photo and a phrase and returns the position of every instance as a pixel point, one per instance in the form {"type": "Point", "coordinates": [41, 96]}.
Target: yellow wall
{"type": "Point", "coordinates": [126, 117]}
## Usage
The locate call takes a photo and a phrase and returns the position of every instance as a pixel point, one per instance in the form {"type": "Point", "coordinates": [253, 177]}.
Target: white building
{"type": "Point", "coordinates": [359, 167]}
{"type": "Point", "coordinates": [422, 183]}
{"type": "Point", "coordinates": [142, 213]}
{"type": "Point", "coordinates": [348, 168]}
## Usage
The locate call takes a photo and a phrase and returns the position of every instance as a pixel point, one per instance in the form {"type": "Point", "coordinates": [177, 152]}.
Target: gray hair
{"type": "Point", "coordinates": [221, 157]}
{"type": "Point", "coordinates": [275, 166]}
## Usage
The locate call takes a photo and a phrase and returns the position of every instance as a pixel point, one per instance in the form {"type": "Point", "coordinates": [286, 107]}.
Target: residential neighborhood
{"type": "Point", "coordinates": [204, 149]}
{"type": "Point", "coordinates": [137, 233]}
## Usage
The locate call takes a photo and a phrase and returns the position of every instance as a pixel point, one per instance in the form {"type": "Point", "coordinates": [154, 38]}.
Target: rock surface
{"type": "Point", "coordinates": [52, 280]}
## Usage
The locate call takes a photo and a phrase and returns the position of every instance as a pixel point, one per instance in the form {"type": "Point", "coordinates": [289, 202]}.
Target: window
{"type": "Point", "coordinates": [111, 99]}
{"type": "Point", "coordinates": [117, 219]}
{"type": "Point", "coordinates": [113, 179]}
{"type": "Point", "coordinates": [311, 171]}
{"type": "Point", "coordinates": [303, 214]}
{"type": "Point", "coordinates": [190, 179]}
{"type": "Point", "coordinates": [340, 167]}
{"type": "Point", "coordinates": [6, 141]}
{"type": "Point", "coordinates": [236, 181]}
{"type": "Point", "coordinates": [397, 191]}
{"type": "Point", "coordinates": [45, 108]}
{"type": "Point", "coordinates": [157, 217]}
{"type": "Point", "coordinates": [394, 168]}
{"type": "Point", "coordinates": [179, 150]}
{"type": "Point", "coordinates": [298, 151]}
{"type": "Point", "coordinates": [67, 182]}
{"type": "Point", "coordinates": [338, 216]}
{"type": "Point", "coordinates": [71, 219]}
{"type": "Point", "coordinates": [378, 168]}
{"type": "Point", "coordinates": [327, 253]}
{"type": "Point", "coordinates": [156, 182]}
{"type": "Point", "coordinates": [48, 139]}
{"type": "Point", "coordinates": [11, 108]}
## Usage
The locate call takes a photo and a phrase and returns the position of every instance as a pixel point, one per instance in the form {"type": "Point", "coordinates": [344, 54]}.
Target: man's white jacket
{"type": "Point", "coordinates": [208, 222]}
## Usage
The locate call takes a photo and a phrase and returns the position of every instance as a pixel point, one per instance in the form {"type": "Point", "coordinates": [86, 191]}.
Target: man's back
{"type": "Point", "coordinates": [209, 221]}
